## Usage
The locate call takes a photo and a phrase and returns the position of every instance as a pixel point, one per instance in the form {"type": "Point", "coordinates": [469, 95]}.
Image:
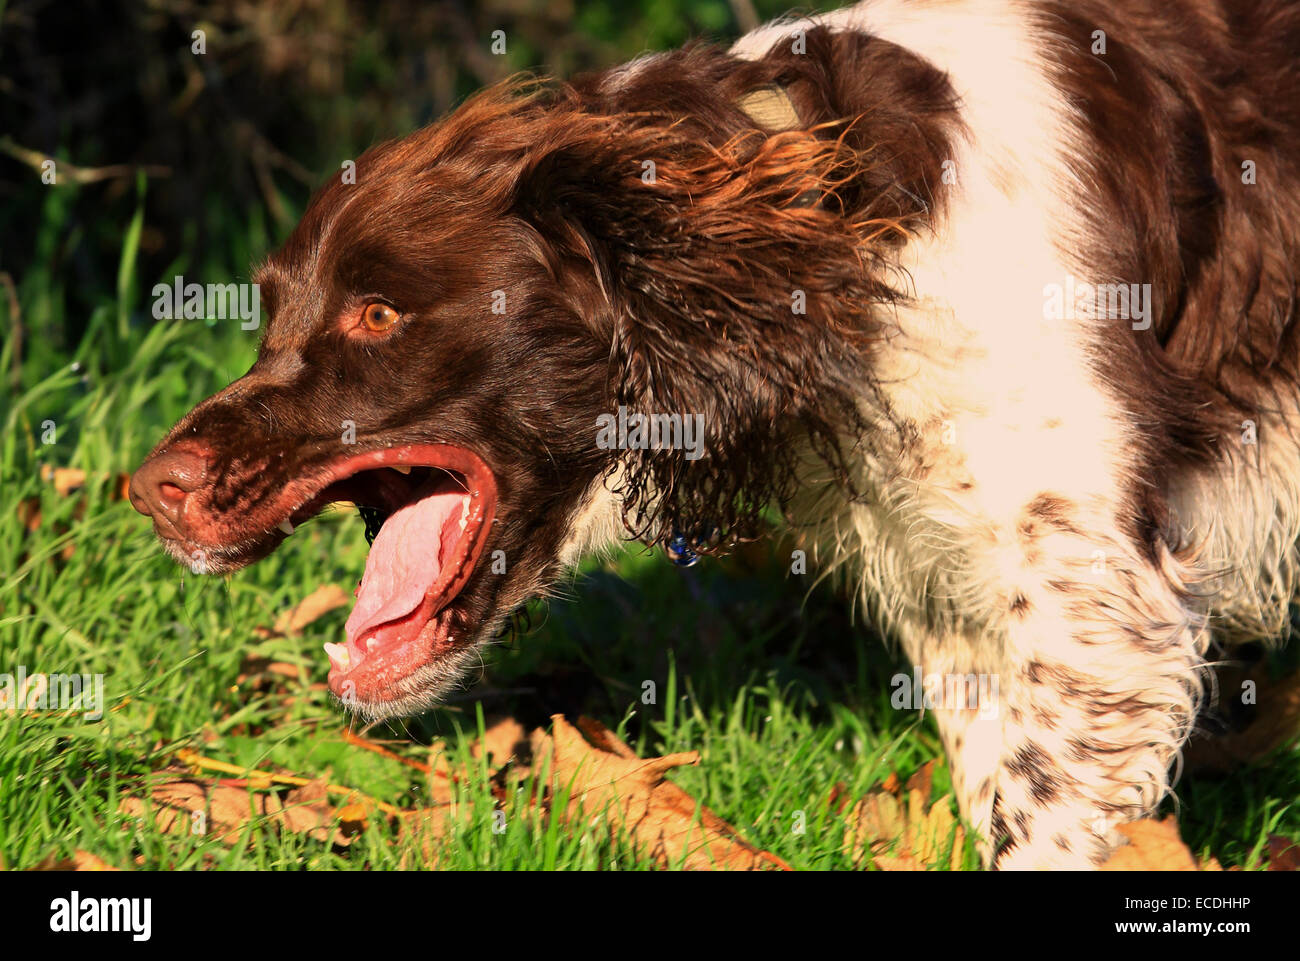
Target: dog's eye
{"type": "Point", "coordinates": [378, 316]}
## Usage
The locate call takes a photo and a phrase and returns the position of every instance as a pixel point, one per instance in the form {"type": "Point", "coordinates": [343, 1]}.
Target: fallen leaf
{"type": "Point", "coordinates": [442, 778]}
{"type": "Point", "coordinates": [352, 820]}
{"type": "Point", "coordinates": [307, 810]}
{"type": "Point", "coordinates": [1283, 854]}
{"type": "Point", "coordinates": [186, 806]}
{"type": "Point", "coordinates": [429, 828]}
{"type": "Point", "coordinates": [191, 807]}
{"type": "Point", "coordinates": [315, 605]}
{"type": "Point", "coordinates": [80, 861]}
{"type": "Point", "coordinates": [922, 780]}
{"type": "Point", "coordinates": [875, 823]}
{"type": "Point", "coordinates": [905, 832]}
{"type": "Point", "coordinates": [262, 670]}
{"type": "Point", "coordinates": [66, 480]}
{"type": "Point", "coordinates": [606, 780]}
{"type": "Point", "coordinates": [1154, 846]}
{"type": "Point", "coordinates": [29, 513]}
{"type": "Point", "coordinates": [502, 742]}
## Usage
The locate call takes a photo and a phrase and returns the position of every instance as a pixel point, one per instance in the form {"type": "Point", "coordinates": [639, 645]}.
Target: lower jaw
{"type": "Point", "coordinates": [380, 675]}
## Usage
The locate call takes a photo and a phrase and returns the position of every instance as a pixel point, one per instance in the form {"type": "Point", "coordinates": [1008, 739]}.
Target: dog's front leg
{"type": "Point", "coordinates": [1101, 679]}
{"type": "Point", "coordinates": [961, 662]}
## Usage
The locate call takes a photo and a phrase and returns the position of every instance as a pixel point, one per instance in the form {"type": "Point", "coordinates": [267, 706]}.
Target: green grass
{"type": "Point", "coordinates": [783, 697]}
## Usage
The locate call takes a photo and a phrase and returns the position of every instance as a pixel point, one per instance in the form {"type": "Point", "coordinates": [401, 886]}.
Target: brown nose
{"type": "Point", "coordinates": [162, 483]}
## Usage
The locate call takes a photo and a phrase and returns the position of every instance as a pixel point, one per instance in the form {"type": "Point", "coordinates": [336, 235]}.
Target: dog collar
{"type": "Point", "coordinates": [770, 107]}
{"type": "Point", "coordinates": [772, 110]}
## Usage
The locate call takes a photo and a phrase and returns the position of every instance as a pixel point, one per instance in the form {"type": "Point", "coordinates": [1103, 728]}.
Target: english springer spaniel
{"type": "Point", "coordinates": [995, 301]}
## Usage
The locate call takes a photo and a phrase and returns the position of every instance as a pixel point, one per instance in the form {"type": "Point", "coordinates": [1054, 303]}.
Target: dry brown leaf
{"type": "Point", "coordinates": [428, 827]}
{"type": "Point", "coordinates": [29, 513]}
{"type": "Point", "coordinates": [85, 861]}
{"type": "Point", "coordinates": [1283, 854]}
{"type": "Point", "coordinates": [608, 781]}
{"type": "Point", "coordinates": [352, 821]}
{"type": "Point", "coordinates": [502, 742]}
{"type": "Point", "coordinates": [1154, 846]}
{"type": "Point", "coordinates": [69, 480]}
{"type": "Point", "coordinates": [875, 823]}
{"type": "Point", "coordinates": [80, 861]}
{"type": "Point", "coordinates": [539, 747]}
{"type": "Point", "coordinates": [318, 603]}
{"type": "Point", "coordinates": [225, 808]}
{"type": "Point", "coordinates": [263, 671]}
{"type": "Point", "coordinates": [307, 810]}
{"type": "Point", "coordinates": [906, 833]}
{"type": "Point", "coordinates": [442, 778]}
{"type": "Point", "coordinates": [838, 799]}
{"type": "Point", "coordinates": [315, 605]}
{"type": "Point", "coordinates": [923, 781]}
{"type": "Point", "coordinates": [66, 480]}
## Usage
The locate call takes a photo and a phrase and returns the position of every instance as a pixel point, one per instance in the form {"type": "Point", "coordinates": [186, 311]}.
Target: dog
{"type": "Point", "coordinates": [995, 301]}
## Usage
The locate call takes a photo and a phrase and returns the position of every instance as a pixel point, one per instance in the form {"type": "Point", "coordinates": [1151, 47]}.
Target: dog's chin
{"type": "Point", "coordinates": [423, 687]}
{"type": "Point", "coordinates": [406, 675]}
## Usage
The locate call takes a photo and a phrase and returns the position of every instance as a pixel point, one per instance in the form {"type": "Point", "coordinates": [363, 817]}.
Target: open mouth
{"type": "Point", "coordinates": [428, 510]}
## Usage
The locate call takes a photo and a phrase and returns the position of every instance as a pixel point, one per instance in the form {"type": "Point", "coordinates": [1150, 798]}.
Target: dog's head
{"type": "Point", "coordinates": [454, 326]}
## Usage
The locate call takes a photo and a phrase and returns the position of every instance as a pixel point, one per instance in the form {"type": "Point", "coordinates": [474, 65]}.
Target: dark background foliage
{"type": "Point", "coordinates": [233, 140]}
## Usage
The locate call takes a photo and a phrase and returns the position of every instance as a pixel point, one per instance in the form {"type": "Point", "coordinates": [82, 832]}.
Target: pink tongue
{"type": "Point", "coordinates": [404, 562]}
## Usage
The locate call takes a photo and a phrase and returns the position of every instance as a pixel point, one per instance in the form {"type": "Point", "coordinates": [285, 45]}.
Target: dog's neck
{"type": "Point", "coordinates": [748, 219]}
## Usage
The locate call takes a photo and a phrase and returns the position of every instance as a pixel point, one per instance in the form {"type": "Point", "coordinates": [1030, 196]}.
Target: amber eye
{"type": "Point", "coordinates": [378, 317]}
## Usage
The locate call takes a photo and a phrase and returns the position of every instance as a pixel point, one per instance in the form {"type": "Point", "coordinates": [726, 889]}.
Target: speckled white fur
{"type": "Point", "coordinates": [990, 542]}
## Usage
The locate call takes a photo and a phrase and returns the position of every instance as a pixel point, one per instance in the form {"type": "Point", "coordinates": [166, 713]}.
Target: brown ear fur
{"type": "Point", "coordinates": [726, 294]}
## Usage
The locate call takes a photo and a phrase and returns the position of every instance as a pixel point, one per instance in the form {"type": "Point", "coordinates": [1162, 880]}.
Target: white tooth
{"type": "Point", "coordinates": [338, 655]}
{"type": "Point", "coordinates": [286, 525]}
{"type": "Point", "coordinates": [464, 512]}
{"type": "Point", "coordinates": [401, 468]}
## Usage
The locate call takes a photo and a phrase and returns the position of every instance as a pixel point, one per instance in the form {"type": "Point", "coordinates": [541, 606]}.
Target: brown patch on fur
{"type": "Point", "coordinates": [1185, 92]}
{"type": "Point", "coordinates": [1053, 511]}
{"type": "Point", "coordinates": [702, 265]}
{"type": "Point", "coordinates": [1045, 717]}
{"type": "Point", "coordinates": [1033, 765]}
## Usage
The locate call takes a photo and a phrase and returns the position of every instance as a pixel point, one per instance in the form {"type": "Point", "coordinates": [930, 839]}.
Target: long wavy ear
{"type": "Point", "coordinates": [738, 295]}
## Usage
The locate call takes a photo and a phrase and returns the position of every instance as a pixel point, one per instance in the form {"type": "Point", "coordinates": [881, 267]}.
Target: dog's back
{"type": "Point", "coordinates": [1096, 384]}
